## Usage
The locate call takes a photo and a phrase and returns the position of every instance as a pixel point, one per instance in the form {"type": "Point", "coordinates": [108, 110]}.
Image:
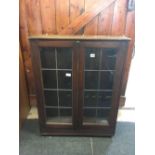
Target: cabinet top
{"type": "Point", "coordinates": [77, 37]}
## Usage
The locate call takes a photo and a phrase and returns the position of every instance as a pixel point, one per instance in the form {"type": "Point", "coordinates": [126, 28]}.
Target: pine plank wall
{"type": "Point", "coordinates": [82, 17]}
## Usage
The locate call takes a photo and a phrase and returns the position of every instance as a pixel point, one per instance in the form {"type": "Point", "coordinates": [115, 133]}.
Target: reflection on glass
{"type": "Point", "coordinates": [65, 79]}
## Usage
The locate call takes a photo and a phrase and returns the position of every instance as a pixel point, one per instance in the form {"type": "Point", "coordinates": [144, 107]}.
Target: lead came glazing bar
{"type": "Point", "coordinates": [57, 80]}
{"type": "Point", "coordinates": [48, 89]}
{"type": "Point", "coordinates": [55, 69]}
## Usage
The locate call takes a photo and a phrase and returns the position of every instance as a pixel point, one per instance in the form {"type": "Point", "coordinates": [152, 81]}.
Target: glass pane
{"type": "Point", "coordinates": [65, 98]}
{"type": "Point", "coordinates": [49, 79]}
{"type": "Point", "coordinates": [51, 112]}
{"type": "Point", "coordinates": [98, 79]}
{"type": "Point", "coordinates": [98, 74]}
{"type": "Point", "coordinates": [99, 99]}
{"type": "Point", "coordinates": [47, 56]}
{"type": "Point", "coordinates": [51, 98]}
{"type": "Point", "coordinates": [90, 113]}
{"type": "Point", "coordinates": [92, 57]}
{"type": "Point", "coordinates": [64, 56]}
{"type": "Point", "coordinates": [108, 59]}
{"type": "Point", "coordinates": [65, 112]}
{"type": "Point", "coordinates": [100, 59]}
{"type": "Point", "coordinates": [65, 79]}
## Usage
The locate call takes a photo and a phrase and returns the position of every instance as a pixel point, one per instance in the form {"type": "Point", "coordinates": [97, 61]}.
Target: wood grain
{"type": "Point", "coordinates": [86, 17]}
{"type": "Point", "coordinates": [91, 27]}
{"type": "Point", "coordinates": [62, 14]}
{"type": "Point", "coordinates": [48, 16]}
{"type": "Point", "coordinates": [119, 18]}
{"type": "Point", "coordinates": [33, 16]}
{"type": "Point", "coordinates": [105, 21]}
{"type": "Point", "coordinates": [76, 9]}
{"type": "Point", "coordinates": [23, 27]}
{"type": "Point", "coordinates": [25, 47]}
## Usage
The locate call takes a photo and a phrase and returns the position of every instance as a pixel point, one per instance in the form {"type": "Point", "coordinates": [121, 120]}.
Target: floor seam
{"type": "Point", "coordinates": [91, 144]}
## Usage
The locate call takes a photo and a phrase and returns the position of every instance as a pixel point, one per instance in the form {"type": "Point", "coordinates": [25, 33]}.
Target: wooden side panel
{"type": "Point", "coordinates": [33, 16]}
{"type": "Point", "coordinates": [119, 18]}
{"type": "Point", "coordinates": [91, 27]}
{"type": "Point", "coordinates": [62, 14]}
{"type": "Point", "coordinates": [105, 20]}
{"type": "Point", "coordinates": [24, 105]}
{"type": "Point", "coordinates": [48, 16]}
{"type": "Point", "coordinates": [130, 32]}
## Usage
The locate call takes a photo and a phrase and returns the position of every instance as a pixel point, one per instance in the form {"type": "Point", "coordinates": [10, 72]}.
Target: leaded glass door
{"type": "Point", "coordinates": [99, 66]}
{"type": "Point", "coordinates": [56, 71]}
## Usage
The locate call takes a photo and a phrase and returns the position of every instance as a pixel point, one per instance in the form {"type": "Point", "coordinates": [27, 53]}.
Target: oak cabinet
{"type": "Point", "coordinates": [78, 82]}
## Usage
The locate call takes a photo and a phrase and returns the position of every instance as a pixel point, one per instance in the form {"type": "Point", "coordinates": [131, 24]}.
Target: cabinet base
{"type": "Point", "coordinates": [72, 132]}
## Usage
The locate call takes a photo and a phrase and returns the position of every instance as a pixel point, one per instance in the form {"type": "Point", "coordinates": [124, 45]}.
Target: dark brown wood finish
{"type": "Point", "coordinates": [38, 83]}
{"type": "Point", "coordinates": [118, 81]}
{"type": "Point", "coordinates": [75, 82]}
{"type": "Point", "coordinates": [81, 85]}
{"type": "Point", "coordinates": [79, 45]}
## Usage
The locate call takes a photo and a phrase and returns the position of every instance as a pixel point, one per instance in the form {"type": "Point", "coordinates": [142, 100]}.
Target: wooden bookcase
{"type": "Point", "coordinates": [78, 83]}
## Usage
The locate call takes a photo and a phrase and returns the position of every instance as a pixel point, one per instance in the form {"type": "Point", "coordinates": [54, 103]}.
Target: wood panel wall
{"type": "Point", "coordinates": [85, 17]}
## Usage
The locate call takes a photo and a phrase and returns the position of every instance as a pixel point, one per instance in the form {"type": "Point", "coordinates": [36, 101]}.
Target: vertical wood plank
{"type": "Point", "coordinates": [105, 21]}
{"type": "Point", "coordinates": [62, 14]}
{"type": "Point", "coordinates": [76, 9]}
{"type": "Point", "coordinates": [23, 27]}
{"type": "Point", "coordinates": [130, 32]}
{"type": "Point", "coordinates": [119, 18]}
{"type": "Point", "coordinates": [91, 27]}
{"type": "Point", "coordinates": [48, 16]}
{"type": "Point", "coordinates": [33, 17]}
{"type": "Point", "coordinates": [25, 46]}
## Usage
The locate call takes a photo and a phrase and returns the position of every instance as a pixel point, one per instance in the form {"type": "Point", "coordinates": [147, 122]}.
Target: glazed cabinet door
{"type": "Point", "coordinates": [100, 80]}
{"type": "Point", "coordinates": [53, 71]}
